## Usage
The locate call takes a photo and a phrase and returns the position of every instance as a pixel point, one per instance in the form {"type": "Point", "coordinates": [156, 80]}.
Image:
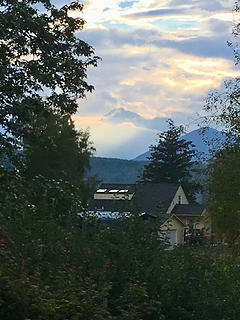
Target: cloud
{"type": "Point", "coordinates": [156, 13]}
{"type": "Point", "coordinates": [209, 6]}
{"type": "Point", "coordinates": [159, 59]}
{"type": "Point", "coordinates": [104, 13]}
{"type": "Point", "coordinates": [120, 116]}
{"type": "Point", "coordinates": [152, 77]}
{"type": "Point", "coordinates": [209, 45]}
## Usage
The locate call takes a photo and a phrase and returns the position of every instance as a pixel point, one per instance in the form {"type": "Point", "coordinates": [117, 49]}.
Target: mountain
{"type": "Point", "coordinates": [121, 115]}
{"type": "Point", "coordinates": [203, 139]}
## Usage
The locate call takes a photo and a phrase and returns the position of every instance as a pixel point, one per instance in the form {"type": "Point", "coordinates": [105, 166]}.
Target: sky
{"type": "Point", "coordinates": [160, 59]}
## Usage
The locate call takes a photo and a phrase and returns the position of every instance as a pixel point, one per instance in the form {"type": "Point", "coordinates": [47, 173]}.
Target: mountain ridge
{"type": "Point", "coordinates": [203, 139]}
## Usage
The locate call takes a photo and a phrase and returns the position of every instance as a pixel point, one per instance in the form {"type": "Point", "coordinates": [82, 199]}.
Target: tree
{"type": "Point", "coordinates": [224, 190]}
{"type": "Point", "coordinates": [171, 159]}
{"type": "Point", "coordinates": [223, 107]}
{"type": "Point", "coordinates": [42, 65]}
{"type": "Point", "coordinates": [58, 151]}
{"type": "Point", "coordinates": [43, 69]}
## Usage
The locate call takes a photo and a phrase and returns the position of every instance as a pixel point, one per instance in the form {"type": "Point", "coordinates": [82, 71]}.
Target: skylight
{"type": "Point", "coordinates": [113, 191]}
{"type": "Point", "coordinates": [123, 191]}
{"type": "Point", "coordinates": [101, 190]}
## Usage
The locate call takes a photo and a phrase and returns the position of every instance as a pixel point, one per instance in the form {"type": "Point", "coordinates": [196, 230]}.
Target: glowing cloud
{"type": "Point", "coordinates": [116, 140]}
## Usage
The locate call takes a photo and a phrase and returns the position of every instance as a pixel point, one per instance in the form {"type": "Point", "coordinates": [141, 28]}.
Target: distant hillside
{"type": "Point", "coordinates": [110, 170]}
{"type": "Point", "coordinates": [203, 140]}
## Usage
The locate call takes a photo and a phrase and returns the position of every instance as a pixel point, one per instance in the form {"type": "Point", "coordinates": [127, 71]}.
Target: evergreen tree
{"type": "Point", "coordinates": [171, 158]}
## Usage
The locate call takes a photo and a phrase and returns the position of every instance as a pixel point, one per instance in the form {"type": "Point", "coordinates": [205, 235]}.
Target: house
{"type": "Point", "coordinates": [194, 216]}
{"type": "Point", "coordinates": [165, 202]}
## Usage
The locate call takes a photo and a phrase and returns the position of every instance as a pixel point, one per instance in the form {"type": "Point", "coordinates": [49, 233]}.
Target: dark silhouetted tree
{"type": "Point", "coordinates": [171, 161]}
{"type": "Point", "coordinates": [223, 107]}
{"type": "Point", "coordinates": [224, 190]}
{"type": "Point", "coordinates": [43, 72]}
{"type": "Point", "coordinates": [58, 151]}
{"type": "Point", "coordinates": [171, 158]}
{"type": "Point", "coordinates": [42, 66]}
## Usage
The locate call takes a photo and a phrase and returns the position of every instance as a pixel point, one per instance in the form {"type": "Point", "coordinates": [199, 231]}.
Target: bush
{"type": "Point", "coordinates": [92, 270]}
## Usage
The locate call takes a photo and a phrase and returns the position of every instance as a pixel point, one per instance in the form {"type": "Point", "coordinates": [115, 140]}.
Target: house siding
{"type": "Point", "coordinates": [201, 222]}
{"type": "Point", "coordinates": [175, 224]}
{"type": "Point", "coordinates": [175, 200]}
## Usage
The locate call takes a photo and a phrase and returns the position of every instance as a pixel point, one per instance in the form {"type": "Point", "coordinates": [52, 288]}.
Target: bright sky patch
{"type": "Point", "coordinates": [126, 4]}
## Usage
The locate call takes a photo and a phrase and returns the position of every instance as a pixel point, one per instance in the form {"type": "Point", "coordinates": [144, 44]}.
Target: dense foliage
{"type": "Point", "coordinates": [89, 270]}
{"type": "Point", "coordinates": [59, 152]}
{"type": "Point", "coordinates": [223, 107]}
{"type": "Point", "coordinates": [43, 64]}
{"type": "Point", "coordinates": [42, 74]}
{"type": "Point", "coordinates": [223, 202]}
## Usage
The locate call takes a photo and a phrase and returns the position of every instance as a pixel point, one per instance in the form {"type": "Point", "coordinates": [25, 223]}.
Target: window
{"type": "Point", "coordinates": [179, 199]}
{"type": "Point", "coordinates": [101, 190]}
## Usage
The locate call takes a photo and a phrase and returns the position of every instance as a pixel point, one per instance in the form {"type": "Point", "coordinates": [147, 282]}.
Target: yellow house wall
{"type": "Point", "coordinates": [184, 199]}
{"type": "Point", "coordinates": [198, 220]}
{"type": "Point", "coordinates": [201, 222]}
{"type": "Point", "coordinates": [175, 224]}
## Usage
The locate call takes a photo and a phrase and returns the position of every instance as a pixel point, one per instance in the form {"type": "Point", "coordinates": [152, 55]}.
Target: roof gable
{"type": "Point", "coordinates": [188, 210]}
{"type": "Point", "coordinates": [156, 198]}
{"type": "Point", "coordinates": [165, 218]}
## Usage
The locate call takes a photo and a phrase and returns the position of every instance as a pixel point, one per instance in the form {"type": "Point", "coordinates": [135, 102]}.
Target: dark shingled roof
{"type": "Point", "coordinates": [148, 197]}
{"type": "Point", "coordinates": [153, 195]}
{"type": "Point", "coordinates": [162, 218]}
{"type": "Point", "coordinates": [188, 210]}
